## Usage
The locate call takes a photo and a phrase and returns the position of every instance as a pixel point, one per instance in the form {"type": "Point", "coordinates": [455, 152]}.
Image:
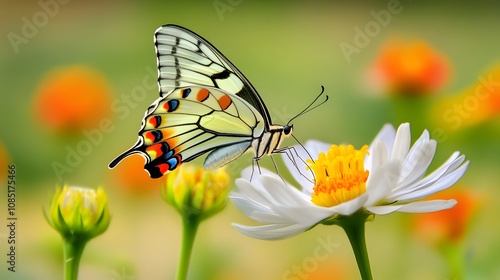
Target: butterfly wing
{"type": "Point", "coordinates": [191, 121]}
{"type": "Point", "coordinates": [186, 59]}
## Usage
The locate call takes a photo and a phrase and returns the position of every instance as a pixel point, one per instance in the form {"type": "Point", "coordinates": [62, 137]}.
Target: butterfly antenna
{"type": "Point", "coordinates": [310, 107]}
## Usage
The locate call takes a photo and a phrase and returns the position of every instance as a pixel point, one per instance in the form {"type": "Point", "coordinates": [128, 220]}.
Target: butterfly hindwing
{"type": "Point", "coordinates": [192, 121]}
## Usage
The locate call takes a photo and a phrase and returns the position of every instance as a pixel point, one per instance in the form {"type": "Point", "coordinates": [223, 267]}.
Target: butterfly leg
{"type": "Point", "coordinates": [304, 161]}
{"type": "Point", "coordinates": [309, 156]}
{"type": "Point", "coordinates": [277, 170]}
{"type": "Point", "coordinates": [289, 152]}
{"type": "Point", "coordinates": [255, 162]}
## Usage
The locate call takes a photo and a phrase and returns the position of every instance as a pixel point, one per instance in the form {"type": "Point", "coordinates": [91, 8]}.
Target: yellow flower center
{"type": "Point", "coordinates": [340, 175]}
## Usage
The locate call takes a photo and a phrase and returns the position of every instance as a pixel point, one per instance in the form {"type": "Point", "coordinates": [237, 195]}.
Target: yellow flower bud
{"type": "Point", "coordinates": [77, 212]}
{"type": "Point", "coordinates": [195, 192]}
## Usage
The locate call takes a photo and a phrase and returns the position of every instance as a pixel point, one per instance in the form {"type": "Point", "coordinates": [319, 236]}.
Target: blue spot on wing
{"type": "Point", "coordinates": [168, 155]}
{"type": "Point", "coordinates": [173, 162]}
{"type": "Point", "coordinates": [164, 163]}
{"type": "Point", "coordinates": [173, 104]}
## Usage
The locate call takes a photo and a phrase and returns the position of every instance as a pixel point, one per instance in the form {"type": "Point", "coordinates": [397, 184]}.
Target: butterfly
{"type": "Point", "coordinates": [206, 105]}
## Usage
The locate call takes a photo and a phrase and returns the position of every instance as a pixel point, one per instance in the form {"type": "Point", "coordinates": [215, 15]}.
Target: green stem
{"type": "Point", "coordinates": [189, 228]}
{"type": "Point", "coordinates": [73, 250]}
{"type": "Point", "coordinates": [354, 227]}
{"type": "Point", "coordinates": [454, 255]}
{"type": "Point", "coordinates": [412, 109]}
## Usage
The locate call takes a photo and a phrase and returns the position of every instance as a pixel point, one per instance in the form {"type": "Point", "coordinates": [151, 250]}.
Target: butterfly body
{"type": "Point", "coordinates": [206, 105]}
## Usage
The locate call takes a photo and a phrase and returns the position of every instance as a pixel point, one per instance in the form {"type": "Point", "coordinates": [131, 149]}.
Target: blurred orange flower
{"type": "Point", "coordinates": [130, 176]}
{"type": "Point", "coordinates": [330, 270]}
{"type": "Point", "coordinates": [73, 98]}
{"type": "Point", "coordinates": [478, 104]}
{"type": "Point", "coordinates": [447, 226]}
{"type": "Point", "coordinates": [409, 69]}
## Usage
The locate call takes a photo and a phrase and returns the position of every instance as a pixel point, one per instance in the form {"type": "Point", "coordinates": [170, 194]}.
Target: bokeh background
{"type": "Point", "coordinates": [76, 77]}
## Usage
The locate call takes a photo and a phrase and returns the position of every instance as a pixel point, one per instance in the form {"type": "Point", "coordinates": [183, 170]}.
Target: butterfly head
{"type": "Point", "coordinates": [287, 130]}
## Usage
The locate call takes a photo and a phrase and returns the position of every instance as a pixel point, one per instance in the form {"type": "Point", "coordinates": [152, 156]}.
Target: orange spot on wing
{"type": "Point", "coordinates": [166, 106]}
{"type": "Point", "coordinates": [154, 121]}
{"type": "Point", "coordinates": [224, 101]}
{"type": "Point", "coordinates": [167, 133]}
{"type": "Point", "coordinates": [163, 167]}
{"type": "Point", "coordinates": [150, 138]}
{"type": "Point", "coordinates": [202, 95]}
{"type": "Point", "coordinates": [154, 151]}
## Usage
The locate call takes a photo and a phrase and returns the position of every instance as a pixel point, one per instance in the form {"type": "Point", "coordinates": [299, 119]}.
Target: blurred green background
{"type": "Point", "coordinates": [288, 49]}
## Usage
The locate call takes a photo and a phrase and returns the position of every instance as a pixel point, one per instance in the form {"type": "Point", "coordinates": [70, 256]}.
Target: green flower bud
{"type": "Point", "coordinates": [195, 192]}
{"type": "Point", "coordinates": [79, 213]}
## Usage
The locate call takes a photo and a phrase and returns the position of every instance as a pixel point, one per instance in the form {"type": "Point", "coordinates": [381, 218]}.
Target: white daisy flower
{"type": "Point", "coordinates": [387, 176]}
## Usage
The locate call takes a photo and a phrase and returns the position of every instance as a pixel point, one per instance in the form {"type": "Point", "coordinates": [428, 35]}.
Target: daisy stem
{"type": "Point", "coordinates": [354, 227]}
{"type": "Point", "coordinates": [73, 250]}
{"type": "Point", "coordinates": [189, 228]}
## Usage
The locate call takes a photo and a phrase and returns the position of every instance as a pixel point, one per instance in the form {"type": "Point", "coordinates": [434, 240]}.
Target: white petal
{"type": "Point", "coordinates": [383, 209]}
{"type": "Point", "coordinates": [386, 135]}
{"type": "Point", "coordinates": [251, 209]}
{"type": "Point", "coordinates": [268, 218]}
{"type": "Point", "coordinates": [349, 207]}
{"type": "Point", "coordinates": [282, 193]}
{"type": "Point", "coordinates": [414, 207]}
{"type": "Point", "coordinates": [442, 184]}
{"type": "Point", "coordinates": [252, 192]}
{"type": "Point", "coordinates": [271, 232]}
{"type": "Point", "coordinates": [245, 201]}
{"type": "Point", "coordinates": [378, 156]}
{"type": "Point", "coordinates": [308, 215]}
{"type": "Point", "coordinates": [427, 206]}
{"type": "Point", "coordinates": [401, 143]}
{"type": "Point", "coordinates": [247, 173]}
{"type": "Point", "coordinates": [454, 159]}
{"type": "Point", "coordinates": [447, 167]}
{"type": "Point", "coordinates": [252, 174]}
{"type": "Point", "coordinates": [381, 182]}
{"type": "Point", "coordinates": [418, 160]}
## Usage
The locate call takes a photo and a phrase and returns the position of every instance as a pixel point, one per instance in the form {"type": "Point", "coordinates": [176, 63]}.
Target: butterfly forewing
{"type": "Point", "coordinates": [185, 58]}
